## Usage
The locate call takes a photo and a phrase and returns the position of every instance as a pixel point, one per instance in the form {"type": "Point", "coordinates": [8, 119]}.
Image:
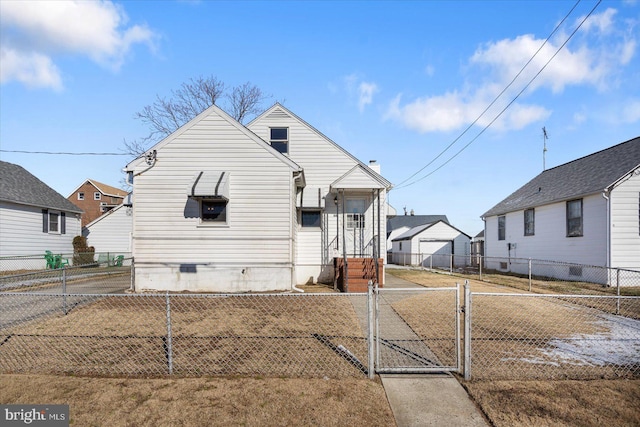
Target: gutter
{"type": "Point", "coordinates": [605, 193]}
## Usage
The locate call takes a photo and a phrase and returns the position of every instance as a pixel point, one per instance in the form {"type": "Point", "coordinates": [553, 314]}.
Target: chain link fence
{"type": "Point", "coordinates": [529, 336]}
{"type": "Point", "coordinates": [552, 275]}
{"type": "Point", "coordinates": [292, 335]}
{"type": "Point", "coordinates": [80, 320]}
{"type": "Point", "coordinates": [97, 277]}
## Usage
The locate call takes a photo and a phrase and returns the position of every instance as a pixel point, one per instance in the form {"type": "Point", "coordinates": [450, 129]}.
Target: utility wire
{"type": "Point", "coordinates": [64, 153]}
{"type": "Point", "coordinates": [400, 185]}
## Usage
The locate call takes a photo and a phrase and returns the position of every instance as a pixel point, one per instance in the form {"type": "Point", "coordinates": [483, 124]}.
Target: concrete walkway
{"type": "Point", "coordinates": [428, 399]}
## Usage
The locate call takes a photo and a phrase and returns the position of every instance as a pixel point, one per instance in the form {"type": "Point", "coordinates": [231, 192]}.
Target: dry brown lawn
{"type": "Point", "coordinates": [205, 401]}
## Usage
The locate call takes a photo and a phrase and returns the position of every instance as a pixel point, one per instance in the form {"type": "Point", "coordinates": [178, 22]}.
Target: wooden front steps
{"type": "Point", "coordinates": [360, 271]}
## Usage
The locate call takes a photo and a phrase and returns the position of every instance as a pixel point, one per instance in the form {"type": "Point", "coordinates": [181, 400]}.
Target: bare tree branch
{"type": "Point", "coordinates": [165, 116]}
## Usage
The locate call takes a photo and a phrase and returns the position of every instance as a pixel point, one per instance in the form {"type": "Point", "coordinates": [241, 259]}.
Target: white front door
{"type": "Point", "coordinates": [355, 229]}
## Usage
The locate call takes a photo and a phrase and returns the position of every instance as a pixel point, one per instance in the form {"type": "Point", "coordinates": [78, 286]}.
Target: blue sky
{"type": "Point", "coordinates": [398, 82]}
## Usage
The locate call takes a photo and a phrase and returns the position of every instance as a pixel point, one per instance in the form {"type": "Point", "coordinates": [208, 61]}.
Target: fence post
{"type": "Point", "coordinates": [458, 325]}
{"type": "Point", "coordinates": [370, 323]}
{"type": "Point", "coordinates": [467, 331]}
{"type": "Point", "coordinates": [529, 274]}
{"type": "Point", "coordinates": [64, 290]}
{"type": "Point", "coordinates": [451, 264]}
{"type": "Point", "coordinates": [169, 345]}
{"type": "Point", "coordinates": [481, 261]}
{"type": "Point", "coordinates": [618, 291]}
{"type": "Point", "coordinates": [133, 276]}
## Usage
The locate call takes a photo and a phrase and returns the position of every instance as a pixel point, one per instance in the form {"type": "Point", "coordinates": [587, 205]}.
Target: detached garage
{"type": "Point", "coordinates": [437, 245]}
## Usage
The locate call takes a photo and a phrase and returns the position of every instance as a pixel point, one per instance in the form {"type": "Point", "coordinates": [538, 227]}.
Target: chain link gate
{"type": "Point", "coordinates": [417, 330]}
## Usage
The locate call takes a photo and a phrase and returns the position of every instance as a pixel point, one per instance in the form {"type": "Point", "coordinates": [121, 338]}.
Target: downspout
{"type": "Point", "coordinates": [379, 244]}
{"type": "Point", "coordinates": [608, 245]}
{"type": "Point", "coordinates": [293, 242]}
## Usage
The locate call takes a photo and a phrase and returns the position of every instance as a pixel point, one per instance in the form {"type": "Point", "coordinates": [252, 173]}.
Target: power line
{"type": "Point", "coordinates": [400, 185]}
{"type": "Point", "coordinates": [64, 153]}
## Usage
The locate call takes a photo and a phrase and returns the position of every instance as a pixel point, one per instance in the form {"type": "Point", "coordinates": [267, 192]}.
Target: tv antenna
{"type": "Point", "coordinates": [544, 148]}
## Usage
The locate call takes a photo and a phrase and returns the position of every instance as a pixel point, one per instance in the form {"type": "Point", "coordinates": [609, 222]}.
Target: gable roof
{"type": "Point", "coordinates": [358, 176]}
{"type": "Point", "coordinates": [413, 221]}
{"type": "Point", "coordinates": [411, 233]}
{"type": "Point", "coordinates": [105, 189]}
{"type": "Point", "coordinates": [591, 174]}
{"type": "Point", "coordinates": [19, 186]}
{"type": "Point", "coordinates": [280, 110]}
{"type": "Point", "coordinates": [215, 109]}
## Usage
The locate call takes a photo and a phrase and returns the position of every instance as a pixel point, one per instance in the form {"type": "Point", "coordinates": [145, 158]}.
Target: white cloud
{"type": "Point", "coordinates": [36, 31]}
{"type": "Point", "coordinates": [366, 91]}
{"type": "Point", "coordinates": [593, 58]}
{"type": "Point", "coordinates": [32, 69]}
{"type": "Point", "coordinates": [359, 89]}
{"type": "Point", "coordinates": [631, 112]}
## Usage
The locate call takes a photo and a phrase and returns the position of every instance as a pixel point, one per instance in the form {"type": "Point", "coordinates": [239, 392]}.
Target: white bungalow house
{"type": "Point", "coordinates": [110, 233]}
{"type": "Point", "coordinates": [34, 218]}
{"type": "Point", "coordinates": [584, 212]}
{"type": "Point", "coordinates": [437, 244]}
{"type": "Point", "coordinates": [224, 207]}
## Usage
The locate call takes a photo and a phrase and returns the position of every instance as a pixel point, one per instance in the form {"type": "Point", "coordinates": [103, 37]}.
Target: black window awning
{"type": "Point", "coordinates": [210, 185]}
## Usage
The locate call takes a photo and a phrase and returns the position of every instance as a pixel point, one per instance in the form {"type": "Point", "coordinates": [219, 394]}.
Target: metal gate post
{"type": "Point", "coordinates": [370, 324]}
{"type": "Point", "coordinates": [529, 274]}
{"type": "Point", "coordinates": [467, 331]}
{"type": "Point", "coordinates": [458, 326]}
{"type": "Point", "coordinates": [376, 311]}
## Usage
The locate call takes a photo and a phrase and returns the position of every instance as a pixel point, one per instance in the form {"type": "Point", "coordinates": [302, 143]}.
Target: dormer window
{"type": "Point", "coordinates": [279, 139]}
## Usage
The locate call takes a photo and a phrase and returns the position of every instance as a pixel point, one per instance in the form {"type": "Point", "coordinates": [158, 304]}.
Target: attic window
{"type": "Point", "coordinates": [81, 195]}
{"type": "Point", "coordinates": [279, 139]}
{"type": "Point", "coordinates": [97, 195]}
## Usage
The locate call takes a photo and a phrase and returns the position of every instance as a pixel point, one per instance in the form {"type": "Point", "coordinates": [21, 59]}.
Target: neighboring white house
{"type": "Point", "coordinates": [432, 245]}
{"type": "Point", "coordinates": [586, 211]}
{"type": "Point", "coordinates": [399, 224]}
{"type": "Point", "coordinates": [34, 218]}
{"type": "Point", "coordinates": [224, 207]}
{"type": "Point", "coordinates": [111, 232]}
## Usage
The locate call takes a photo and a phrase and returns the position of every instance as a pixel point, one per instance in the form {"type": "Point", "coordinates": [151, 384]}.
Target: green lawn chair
{"type": "Point", "coordinates": [51, 260]}
{"type": "Point", "coordinates": [117, 261]}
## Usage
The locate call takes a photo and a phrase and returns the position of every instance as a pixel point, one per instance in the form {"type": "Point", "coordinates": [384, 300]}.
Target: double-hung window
{"type": "Point", "coordinates": [574, 218]}
{"type": "Point", "coordinates": [529, 222]}
{"type": "Point", "coordinates": [53, 222]}
{"type": "Point", "coordinates": [502, 227]}
{"type": "Point", "coordinates": [279, 139]}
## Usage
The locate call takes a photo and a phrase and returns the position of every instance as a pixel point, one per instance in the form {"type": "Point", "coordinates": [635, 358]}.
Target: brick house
{"type": "Point", "coordinates": [96, 198]}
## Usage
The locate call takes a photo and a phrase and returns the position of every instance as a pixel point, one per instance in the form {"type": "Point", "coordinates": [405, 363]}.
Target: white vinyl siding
{"type": "Point", "coordinates": [550, 241]}
{"type": "Point", "coordinates": [625, 227]}
{"type": "Point", "coordinates": [21, 228]}
{"type": "Point", "coordinates": [111, 232]}
{"type": "Point", "coordinates": [167, 228]}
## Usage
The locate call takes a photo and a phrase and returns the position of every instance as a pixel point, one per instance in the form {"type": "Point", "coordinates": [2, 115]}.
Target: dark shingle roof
{"type": "Point", "coordinates": [413, 221]}
{"type": "Point", "coordinates": [17, 185]}
{"type": "Point", "coordinates": [587, 175]}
